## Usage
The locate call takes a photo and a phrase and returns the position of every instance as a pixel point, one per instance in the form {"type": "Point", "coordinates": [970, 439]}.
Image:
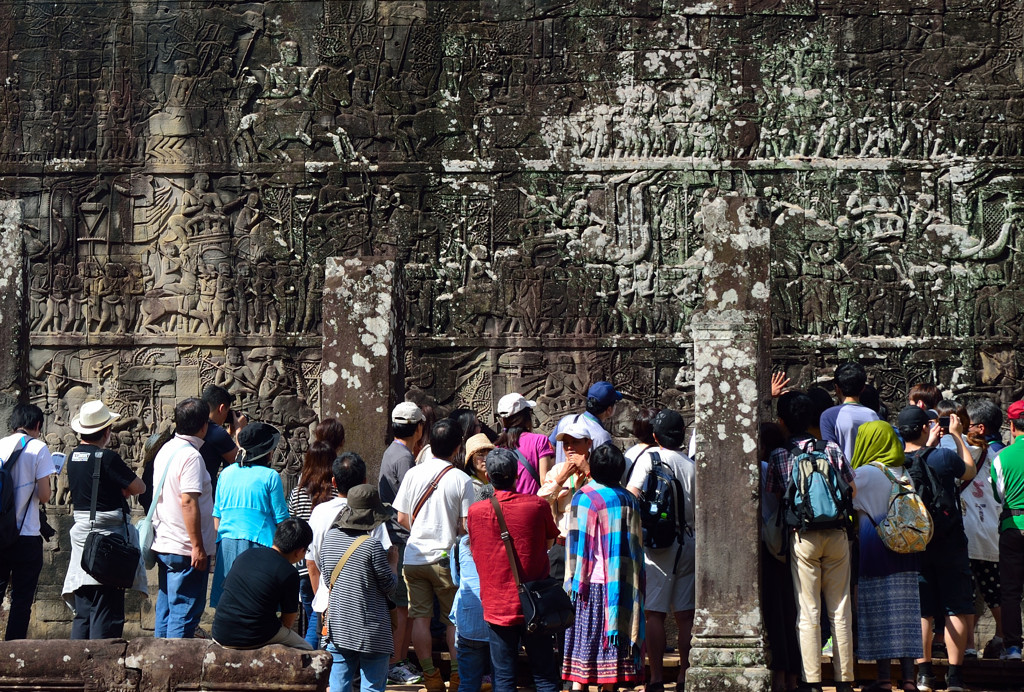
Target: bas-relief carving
{"type": "Point", "coordinates": [195, 165]}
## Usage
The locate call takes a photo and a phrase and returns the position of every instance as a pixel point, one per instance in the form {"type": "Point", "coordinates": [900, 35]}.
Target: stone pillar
{"type": "Point", "coordinates": [362, 373]}
{"type": "Point", "coordinates": [13, 309]}
{"type": "Point", "coordinates": [731, 356]}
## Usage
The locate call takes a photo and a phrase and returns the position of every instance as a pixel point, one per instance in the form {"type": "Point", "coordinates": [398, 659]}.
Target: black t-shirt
{"type": "Point", "coordinates": [216, 444]}
{"type": "Point", "coordinates": [261, 583]}
{"type": "Point", "coordinates": [115, 476]}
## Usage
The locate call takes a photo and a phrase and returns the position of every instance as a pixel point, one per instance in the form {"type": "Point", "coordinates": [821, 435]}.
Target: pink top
{"type": "Point", "coordinates": [533, 446]}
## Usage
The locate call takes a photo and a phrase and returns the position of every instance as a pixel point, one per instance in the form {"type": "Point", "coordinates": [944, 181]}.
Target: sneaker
{"type": "Point", "coordinates": [925, 683]}
{"type": "Point", "coordinates": [971, 653]}
{"type": "Point", "coordinates": [432, 682]}
{"type": "Point", "coordinates": [827, 649]}
{"type": "Point", "coordinates": [954, 684]}
{"type": "Point", "coordinates": [453, 682]}
{"type": "Point", "coordinates": [993, 649]}
{"type": "Point", "coordinates": [844, 687]}
{"type": "Point", "coordinates": [402, 673]}
{"type": "Point", "coordinates": [809, 687]}
{"type": "Point", "coordinates": [1011, 653]}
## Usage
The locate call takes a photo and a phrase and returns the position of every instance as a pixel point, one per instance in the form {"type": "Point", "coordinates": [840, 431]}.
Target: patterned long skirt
{"type": "Point", "coordinates": [889, 617]}
{"type": "Point", "coordinates": [590, 659]}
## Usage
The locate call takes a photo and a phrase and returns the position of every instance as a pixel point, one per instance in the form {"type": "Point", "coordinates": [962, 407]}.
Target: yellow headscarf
{"type": "Point", "coordinates": [877, 441]}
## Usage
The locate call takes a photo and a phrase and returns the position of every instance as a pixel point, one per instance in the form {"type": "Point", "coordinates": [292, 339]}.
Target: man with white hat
{"type": "Point", "coordinates": [185, 538]}
{"type": "Point", "coordinates": [99, 609]}
{"type": "Point", "coordinates": [407, 426]}
{"type": "Point", "coordinates": [562, 482]}
{"type": "Point", "coordinates": [601, 399]}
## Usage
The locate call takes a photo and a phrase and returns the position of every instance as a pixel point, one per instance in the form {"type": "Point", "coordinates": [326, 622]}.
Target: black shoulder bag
{"type": "Point", "coordinates": [547, 608]}
{"type": "Point", "coordinates": [109, 558]}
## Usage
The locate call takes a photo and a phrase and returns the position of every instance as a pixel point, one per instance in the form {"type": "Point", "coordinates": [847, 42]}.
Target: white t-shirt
{"type": "Point", "coordinates": [436, 527]}
{"type": "Point", "coordinates": [186, 474]}
{"type": "Point", "coordinates": [34, 464]}
{"type": "Point", "coordinates": [981, 515]}
{"type": "Point", "coordinates": [320, 521]}
{"type": "Point", "coordinates": [682, 467]}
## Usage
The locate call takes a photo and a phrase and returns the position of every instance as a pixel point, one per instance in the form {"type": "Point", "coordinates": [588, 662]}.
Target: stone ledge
{"type": "Point", "coordinates": [146, 664]}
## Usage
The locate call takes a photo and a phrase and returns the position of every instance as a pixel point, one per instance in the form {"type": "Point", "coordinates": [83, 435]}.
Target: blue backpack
{"type": "Point", "coordinates": [817, 496]}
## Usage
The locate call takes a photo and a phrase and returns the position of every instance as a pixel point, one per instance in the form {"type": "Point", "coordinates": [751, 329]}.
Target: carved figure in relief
{"type": "Point", "coordinates": [202, 206]}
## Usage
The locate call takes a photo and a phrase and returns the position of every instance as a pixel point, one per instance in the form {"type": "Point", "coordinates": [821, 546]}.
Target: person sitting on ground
{"type": "Point", "coordinates": [840, 423]}
{"type": "Point", "coordinates": [359, 635]}
{"type": "Point", "coordinates": [248, 503]}
{"type": "Point", "coordinates": [946, 587]}
{"type": "Point", "coordinates": [262, 583]}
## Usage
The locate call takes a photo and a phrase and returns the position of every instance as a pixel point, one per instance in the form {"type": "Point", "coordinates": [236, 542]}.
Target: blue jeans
{"type": "Point", "coordinates": [472, 657]}
{"type": "Point", "coordinates": [312, 635]}
{"type": "Point", "coordinates": [540, 654]}
{"type": "Point", "coordinates": [372, 668]}
{"type": "Point", "coordinates": [182, 597]}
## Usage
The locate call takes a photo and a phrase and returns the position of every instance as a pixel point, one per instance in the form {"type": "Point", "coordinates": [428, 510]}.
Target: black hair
{"type": "Point", "coordinates": [869, 397]}
{"type": "Point", "coordinates": [27, 416]}
{"type": "Point", "coordinates": [95, 437]}
{"type": "Point", "coordinates": [643, 429]}
{"type": "Point", "coordinates": [514, 426]}
{"type": "Point", "coordinates": [216, 396]}
{"type": "Point", "coordinates": [926, 393]}
{"type": "Point", "coordinates": [1017, 424]}
{"type": "Point", "coordinates": [947, 407]}
{"type": "Point", "coordinates": [191, 415]}
{"type": "Point", "coordinates": [986, 412]}
{"type": "Point", "coordinates": [911, 433]}
{"type": "Point", "coordinates": [607, 464]}
{"type": "Point", "coordinates": [772, 438]}
{"type": "Point", "coordinates": [331, 431]}
{"type": "Point", "coordinates": [349, 471]}
{"type": "Point", "coordinates": [404, 431]}
{"type": "Point", "coordinates": [467, 420]}
{"type": "Point", "coordinates": [850, 378]}
{"type": "Point", "coordinates": [291, 534]}
{"type": "Point", "coordinates": [595, 407]}
{"type": "Point", "coordinates": [797, 411]}
{"type": "Point", "coordinates": [445, 438]}
{"type": "Point", "coordinates": [823, 401]}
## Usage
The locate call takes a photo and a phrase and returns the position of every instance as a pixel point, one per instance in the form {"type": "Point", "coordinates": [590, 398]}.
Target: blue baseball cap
{"type": "Point", "coordinates": [604, 392]}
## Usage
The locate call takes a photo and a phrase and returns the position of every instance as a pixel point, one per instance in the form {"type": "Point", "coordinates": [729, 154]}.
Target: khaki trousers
{"type": "Point", "coordinates": [820, 563]}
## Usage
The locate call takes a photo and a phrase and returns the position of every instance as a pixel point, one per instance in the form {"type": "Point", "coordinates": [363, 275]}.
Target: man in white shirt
{"type": "Point", "coordinates": [21, 562]}
{"type": "Point", "coordinates": [349, 470]}
{"type": "Point", "coordinates": [185, 540]}
{"type": "Point", "coordinates": [671, 570]}
{"type": "Point", "coordinates": [432, 503]}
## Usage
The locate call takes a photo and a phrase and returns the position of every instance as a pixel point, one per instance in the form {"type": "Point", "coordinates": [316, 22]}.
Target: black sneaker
{"type": "Point", "coordinates": [954, 683]}
{"type": "Point", "coordinates": [844, 687]}
{"type": "Point", "coordinates": [925, 683]}
{"type": "Point", "coordinates": [809, 687]}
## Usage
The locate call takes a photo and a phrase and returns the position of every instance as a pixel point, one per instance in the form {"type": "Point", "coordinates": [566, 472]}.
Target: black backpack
{"type": "Point", "coordinates": [662, 506]}
{"type": "Point", "coordinates": [944, 508]}
{"type": "Point", "coordinates": [9, 530]}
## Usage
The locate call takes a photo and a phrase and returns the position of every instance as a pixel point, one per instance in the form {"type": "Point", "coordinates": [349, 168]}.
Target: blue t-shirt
{"type": "Point", "coordinates": [839, 424]}
{"type": "Point", "coordinates": [250, 503]}
{"type": "Point", "coordinates": [948, 466]}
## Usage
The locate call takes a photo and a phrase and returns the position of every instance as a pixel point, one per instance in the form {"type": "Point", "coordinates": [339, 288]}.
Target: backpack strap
{"type": "Point", "coordinates": [344, 558]}
{"type": "Point", "coordinates": [98, 455]}
{"type": "Point", "coordinates": [506, 538]}
{"type": "Point", "coordinates": [629, 471]}
{"type": "Point", "coordinates": [526, 465]}
{"type": "Point", "coordinates": [429, 491]}
{"type": "Point", "coordinates": [9, 466]}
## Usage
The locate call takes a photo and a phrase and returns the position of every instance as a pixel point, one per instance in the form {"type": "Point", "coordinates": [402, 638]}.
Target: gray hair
{"type": "Point", "coordinates": [985, 411]}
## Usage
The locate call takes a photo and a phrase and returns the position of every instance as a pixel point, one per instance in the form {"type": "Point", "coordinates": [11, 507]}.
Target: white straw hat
{"type": "Point", "coordinates": [93, 417]}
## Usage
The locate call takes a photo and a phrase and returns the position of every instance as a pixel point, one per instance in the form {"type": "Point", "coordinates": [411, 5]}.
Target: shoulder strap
{"type": "Point", "coordinates": [629, 472]}
{"type": "Point", "coordinates": [506, 538]}
{"type": "Point", "coordinates": [344, 558]}
{"type": "Point", "coordinates": [526, 465]}
{"type": "Point", "coordinates": [95, 485]}
{"type": "Point", "coordinates": [884, 469]}
{"type": "Point", "coordinates": [9, 465]}
{"type": "Point", "coordinates": [160, 485]}
{"type": "Point", "coordinates": [430, 491]}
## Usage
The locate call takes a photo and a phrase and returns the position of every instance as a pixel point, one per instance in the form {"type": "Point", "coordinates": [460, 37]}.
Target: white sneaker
{"type": "Point", "coordinates": [402, 674]}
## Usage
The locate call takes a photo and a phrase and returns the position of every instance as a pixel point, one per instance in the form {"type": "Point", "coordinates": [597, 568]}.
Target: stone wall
{"type": "Point", "coordinates": [181, 172]}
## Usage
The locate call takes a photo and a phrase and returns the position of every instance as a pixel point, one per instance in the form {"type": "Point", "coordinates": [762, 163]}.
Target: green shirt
{"type": "Point", "coordinates": [1008, 482]}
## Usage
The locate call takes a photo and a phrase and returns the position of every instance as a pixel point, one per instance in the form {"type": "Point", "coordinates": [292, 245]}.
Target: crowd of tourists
{"type": "Point", "coordinates": [877, 537]}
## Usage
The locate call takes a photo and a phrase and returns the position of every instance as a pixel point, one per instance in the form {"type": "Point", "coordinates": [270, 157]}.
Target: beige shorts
{"type": "Point", "coordinates": [668, 590]}
{"type": "Point", "coordinates": [426, 581]}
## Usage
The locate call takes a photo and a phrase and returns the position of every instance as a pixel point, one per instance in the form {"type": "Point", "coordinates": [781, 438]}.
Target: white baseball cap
{"type": "Point", "coordinates": [575, 430]}
{"type": "Point", "coordinates": [407, 413]}
{"type": "Point", "coordinates": [513, 403]}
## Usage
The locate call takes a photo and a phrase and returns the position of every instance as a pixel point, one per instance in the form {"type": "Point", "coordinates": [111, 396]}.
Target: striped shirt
{"type": "Point", "coordinates": [357, 611]}
{"type": "Point", "coordinates": [300, 506]}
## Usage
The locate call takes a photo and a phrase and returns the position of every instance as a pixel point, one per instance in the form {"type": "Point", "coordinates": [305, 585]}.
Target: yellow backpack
{"type": "Point", "coordinates": [907, 526]}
